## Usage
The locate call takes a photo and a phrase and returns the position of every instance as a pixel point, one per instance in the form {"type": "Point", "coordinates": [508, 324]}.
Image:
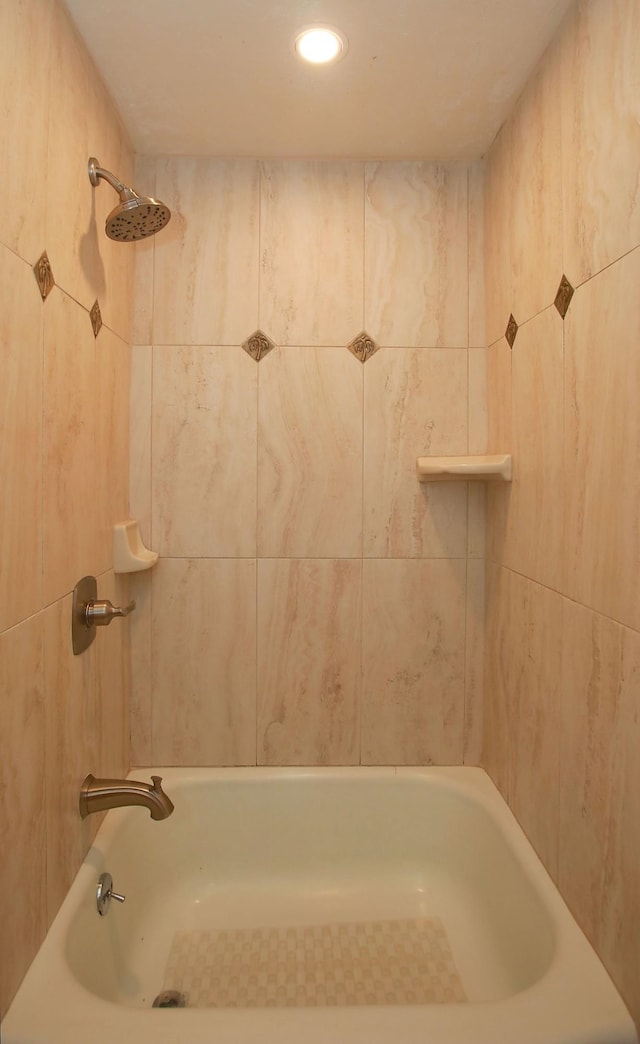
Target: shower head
{"type": "Point", "coordinates": [135, 217]}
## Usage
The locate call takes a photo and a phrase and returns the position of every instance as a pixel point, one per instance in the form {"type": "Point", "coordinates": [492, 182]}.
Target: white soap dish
{"type": "Point", "coordinates": [129, 553]}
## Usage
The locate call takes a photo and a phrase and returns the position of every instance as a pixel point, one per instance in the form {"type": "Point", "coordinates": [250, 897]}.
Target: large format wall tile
{"type": "Point", "coordinates": [204, 452]}
{"type": "Point", "coordinates": [496, 751]}
{"type": "Point", "coordinates": [22, 789]}
{"type": "Point", "coordinates": [140, 439]}
{"type": "Point", "coordinates": [601, 135]}
{"type": "Point", "coordinates": [474, 662]}
{"type": "Point", "coordinates": [113, 682]}
{"type": "Point", "coordinates": [600, 789]}
{"type": "Point", "coordinates": [413, 662]}
{"type": "Point", "coordinates": [72, 750]}
{"type": "Point", "coordinates": [602, 443]}
{"type": "Point", "coordinates": [534, 193]}
{"type": "Point", "coordinates": [203, 662]}
{"type": "Point", "coordinates": [113, 375]}
{"type": "Point", "coordinates": [142, 314]}
{"type": "Point", "coordinates": [206, 259]}
{"type": "Point", "coordinates": [532, 534]}
{"type": "Point", "coordinates": [311, 234]}
{"type": "Point", "coordinates": [416, 258]}
{"type": "Point", "coordinates": [533, 663]}
{"type": "Point", "coordinates": [308, 662]}
{"type": "Point", "coordinates": [73, 536]}
{"type": "Point", "coordinates": [415, 404]}
{"type": "Point", "coordinates": [25, 44]}
{"type": "Point", "coordinates": [20, 440]}
{"type": "Point", "coordinates": [310, 454]}
{"type": "Point", "coordinates": [497, 235]}
{"type": "Point", "coordinates": [477, 281]}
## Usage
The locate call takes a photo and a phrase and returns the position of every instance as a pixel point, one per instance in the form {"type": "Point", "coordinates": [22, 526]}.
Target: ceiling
{"type": "Point", "coordinates": [431, 79]}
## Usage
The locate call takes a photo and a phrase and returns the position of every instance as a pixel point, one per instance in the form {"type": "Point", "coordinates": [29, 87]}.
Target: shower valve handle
{"type": "Point", "coordinates": [101, 613]}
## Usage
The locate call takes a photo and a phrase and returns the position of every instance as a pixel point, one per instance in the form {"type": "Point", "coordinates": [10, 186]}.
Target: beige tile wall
{"type": "Point", "coordinates": [64, 408]}
{"type": "Point", "coordinates": [562, 670]}
{"type": "Point", "coordinates": [304, 463]}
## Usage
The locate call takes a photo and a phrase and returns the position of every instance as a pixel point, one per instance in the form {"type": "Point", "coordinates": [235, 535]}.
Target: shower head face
{"type": "Point", "coordinates": [136, 218]}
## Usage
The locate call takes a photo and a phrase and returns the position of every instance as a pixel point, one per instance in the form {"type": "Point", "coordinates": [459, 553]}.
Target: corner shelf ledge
{"type": "Point", "coordinates": [129, 553]}
{"type": "Point", "coordinates": [496, 468]}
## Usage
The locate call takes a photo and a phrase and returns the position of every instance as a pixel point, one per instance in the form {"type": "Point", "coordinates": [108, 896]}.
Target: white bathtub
{"type": "Point", "coordinates": [299, 849]}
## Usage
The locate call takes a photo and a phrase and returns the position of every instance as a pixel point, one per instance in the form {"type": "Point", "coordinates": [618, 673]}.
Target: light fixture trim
{"type": "Point", "coordinates": [320, 44]}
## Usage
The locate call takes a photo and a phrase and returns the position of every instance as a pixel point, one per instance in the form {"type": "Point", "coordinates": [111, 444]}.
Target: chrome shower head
{"type": "Point", "coordinates": [135, 217]}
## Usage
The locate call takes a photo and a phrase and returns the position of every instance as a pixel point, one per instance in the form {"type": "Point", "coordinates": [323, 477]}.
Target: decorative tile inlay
{"type": "Point", "coordinates": [96, 319]}
{"type": "Point", "coordinates": [511, 331]}
{"type": "Point", "coordinates": [363, 347]}
{"type": "Point", "coordinates": [44, 275]}
{"type": "Point", "coordinates": [564, 295]}
{"type": "Point", "coordinates": [258, 345]}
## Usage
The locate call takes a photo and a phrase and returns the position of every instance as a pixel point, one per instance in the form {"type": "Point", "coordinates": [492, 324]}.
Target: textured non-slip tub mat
{"type": "Point", "coordinates": [378, 962]}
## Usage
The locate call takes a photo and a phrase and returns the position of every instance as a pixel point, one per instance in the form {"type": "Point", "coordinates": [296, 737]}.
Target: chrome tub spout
{"type": "Point", "coordinates": [97, 795]}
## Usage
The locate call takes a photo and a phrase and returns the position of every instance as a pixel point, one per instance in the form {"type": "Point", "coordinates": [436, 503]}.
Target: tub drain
{"type": "Point", "coordinates": [170, 999]}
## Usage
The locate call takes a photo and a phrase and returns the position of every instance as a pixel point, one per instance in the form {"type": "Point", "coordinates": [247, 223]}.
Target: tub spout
{"type": "Point", "coordinates": [97, 795]}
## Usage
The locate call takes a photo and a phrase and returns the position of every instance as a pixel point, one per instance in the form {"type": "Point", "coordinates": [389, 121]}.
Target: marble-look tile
{"type": "Point", "coordinates": [72, 750]}
{"type": "Point", "coordinates": [600, 789]}
{"type": "Point", "coordinates": [474, 662]}
{"type": "Point", "coordinates": [24, 79]}
{"type": "Point", "coordinates": [534, 192]}
{"type": "Point", "coordinates": [142, 311]}
{"type": "Point", "coordinates": [600, 136]}
{"type": "Point", "coordinates": [308, 662]}
{"type": "Point", "coordinates": [532, 534]}
{"type": "Point", "coordinates": [478, 412]}
{"type": "Point", "coordinates": [206, 260]}
{"type": "Point", "coordinates": [499, 440]}
{"type": "Point", "coordinates": [20, 440]}
{"type": "Point", "coordinates": [111, 462]}
{"type": "Point", "coordinates": [477, 520]}
{"type": "Point", "coordinates": [203, 679]}
{"type": "Point", "coordinates": [73, 532]}
{"type": "Point", "coordinates": [72, 228]}
{"type": "Point", "coordinates": [496, 741]}
{"type": "Point", "coordinates": [113, 682]}
{"type": "Point", "coordinates": [140, 439]}
{"type": "Point", "coordinates": [415, 404]}
{"type": "Point", "coordinates": [416, 256]}
{"type": "Point", "coordinates": [497, 235]}
{"type": "Point", "coordinates": [477, 288]}
{"type": "Point", "coordinates": [141, 701]}
{"type": "Point", "coordinates": [413, 650]}
{"type": "Point", "coordinates": [310, 454]}
{"type": "Point", "coordinates": [204, 452]}
{"type": "Point", "coordinates": [22, 811]}
{"type": "Point", "coordinates": [533, 663]}
{"type": "Point", "coordinates": [311, 252]}
{"type": "Point", "coordinates": [602, 443]}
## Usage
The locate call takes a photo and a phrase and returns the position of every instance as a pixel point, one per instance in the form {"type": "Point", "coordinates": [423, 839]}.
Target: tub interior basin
{"type": "Point", "coordinates": [264, 862]}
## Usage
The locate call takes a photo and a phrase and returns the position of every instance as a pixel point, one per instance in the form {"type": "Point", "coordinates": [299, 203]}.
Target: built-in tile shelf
{"type": "Point", "coordinates": [495, 468]}
{"type": "Point", "coordinates": [129, 553]}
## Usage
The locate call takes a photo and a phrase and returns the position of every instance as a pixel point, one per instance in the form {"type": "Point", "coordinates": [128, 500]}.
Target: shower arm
{"type": "Point", "coordinates": [96, 172]}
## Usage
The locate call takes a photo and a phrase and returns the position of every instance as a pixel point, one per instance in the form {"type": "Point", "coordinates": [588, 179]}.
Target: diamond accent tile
{"type": "Point", "coordinates": [511, 331]}
{"type": "Point", "coordinates": [564, 295]}
{"type": "Point", "coordinates": [258, 345]}
{"type": "Point", "coordinates": [363, 346]}
{"type": "Point", "coordinates": [96, 319]}
{"type": "Point", "coordinates": [44, 275]}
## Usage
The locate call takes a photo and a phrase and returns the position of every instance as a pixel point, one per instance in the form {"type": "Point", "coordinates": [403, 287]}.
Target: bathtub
{"type": "Point", "coordinates": [258, 869]}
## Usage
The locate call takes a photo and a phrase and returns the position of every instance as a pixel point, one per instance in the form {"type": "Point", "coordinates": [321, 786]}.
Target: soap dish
{"type": "Point", "coordinates": [129, 553]}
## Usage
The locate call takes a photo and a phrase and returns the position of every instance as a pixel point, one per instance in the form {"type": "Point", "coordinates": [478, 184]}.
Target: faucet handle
{"type": "Point", "coordinates": [101, 613]}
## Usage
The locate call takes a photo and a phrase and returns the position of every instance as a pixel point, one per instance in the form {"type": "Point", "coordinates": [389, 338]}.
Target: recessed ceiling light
{"type": "Point", "coordinates": [320, 44]}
